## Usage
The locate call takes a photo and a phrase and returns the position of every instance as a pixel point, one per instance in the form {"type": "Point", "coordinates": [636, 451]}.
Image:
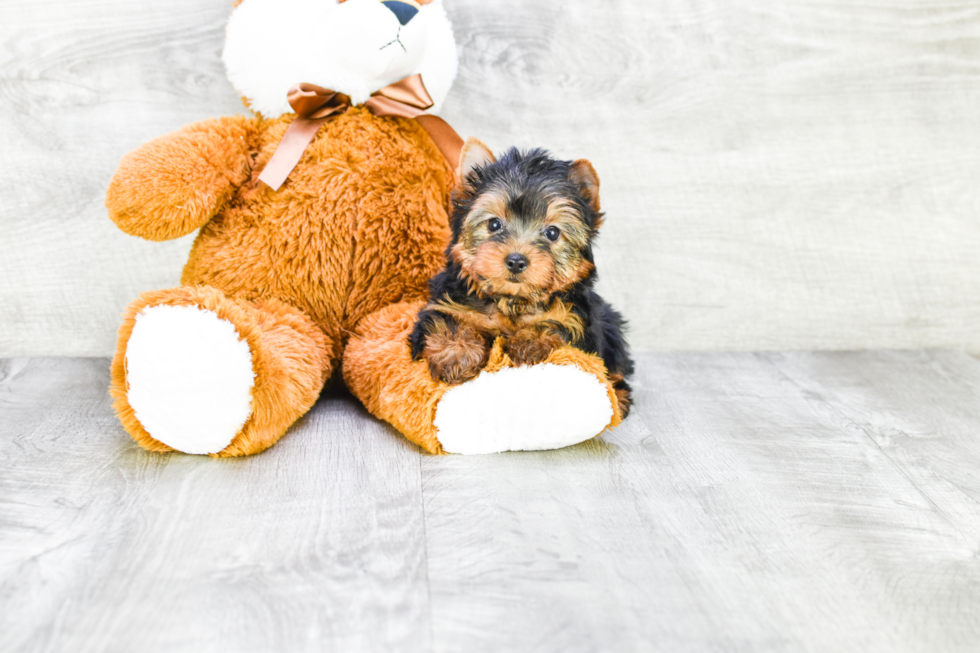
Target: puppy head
{"type": "Point", "coordinates": [523, 226]}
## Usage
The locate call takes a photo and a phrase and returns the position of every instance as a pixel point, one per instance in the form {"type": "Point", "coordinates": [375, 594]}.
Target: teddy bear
{"type": "Point", "coordinates": [320, 219]}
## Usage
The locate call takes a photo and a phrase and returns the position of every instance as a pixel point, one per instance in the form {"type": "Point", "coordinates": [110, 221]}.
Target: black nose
{"type": "Point", "coordinates": [402, 10]}
{"type": "Point", "coordinates": [517, 263]}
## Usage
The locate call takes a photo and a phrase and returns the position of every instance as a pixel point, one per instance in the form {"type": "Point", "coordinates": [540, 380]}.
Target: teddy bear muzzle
{"type": "Point", "coordinates": [404, 11]}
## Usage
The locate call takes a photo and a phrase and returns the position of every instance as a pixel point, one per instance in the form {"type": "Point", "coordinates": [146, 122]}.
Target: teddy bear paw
{"type": "Point", "coordinates": [531, 408]}
{"type": "Point", "coordinates": [189, 378]}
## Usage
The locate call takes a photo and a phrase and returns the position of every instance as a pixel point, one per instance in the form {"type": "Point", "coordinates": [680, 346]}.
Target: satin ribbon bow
{"type": "Point", "coordinates": [315, 105]}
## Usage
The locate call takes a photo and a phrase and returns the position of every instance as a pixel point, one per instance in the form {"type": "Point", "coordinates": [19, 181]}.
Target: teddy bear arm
{"type": "Point", "coordinates": [175, 184]}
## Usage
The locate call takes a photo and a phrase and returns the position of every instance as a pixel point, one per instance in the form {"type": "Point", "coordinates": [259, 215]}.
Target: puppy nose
{"type": "Point", "coordinates": [404, 11]}
{"type": "Point", "coordinates": [517, 263]}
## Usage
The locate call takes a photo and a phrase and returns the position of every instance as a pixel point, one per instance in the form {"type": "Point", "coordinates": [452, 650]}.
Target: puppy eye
{"type": "Point", "coordinates": [552, 233]}
{"type": "Point", "coordinates": [494, 224]}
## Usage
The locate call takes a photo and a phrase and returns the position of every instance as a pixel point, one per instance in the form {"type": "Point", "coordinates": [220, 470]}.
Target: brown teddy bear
{"type": "Point", "coordinates": [321, 221]}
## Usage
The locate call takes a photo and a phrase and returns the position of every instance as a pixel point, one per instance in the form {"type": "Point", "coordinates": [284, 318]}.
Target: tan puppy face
{"type": "Point", "coordinates": [527, 227]}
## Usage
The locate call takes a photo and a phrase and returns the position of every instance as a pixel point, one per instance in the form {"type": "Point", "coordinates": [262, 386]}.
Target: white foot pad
{"type": "Point", "coordinates": [523, 409]}
{"type": "Point", "coordinates": [189, 377]}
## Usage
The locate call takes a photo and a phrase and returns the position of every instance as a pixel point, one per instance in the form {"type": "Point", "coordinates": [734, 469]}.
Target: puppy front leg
{"type": "Point", "coordinates": [532, 345]}
{"type": "Point", "coordinates": [455, 352]}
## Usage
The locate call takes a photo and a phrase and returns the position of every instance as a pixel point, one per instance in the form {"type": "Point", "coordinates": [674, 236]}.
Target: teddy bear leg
{"type": "Point", "coordinates": [202, 373]}
{"type": "Point", "coordinates": [564, 401]}
{"type": "Point", "coordinates": [550, 405]}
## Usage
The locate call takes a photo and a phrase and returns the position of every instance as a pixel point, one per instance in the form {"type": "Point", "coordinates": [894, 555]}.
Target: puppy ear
{"type": "Point", "coordinates": [583, 175]}
{"type": "Point", "coordinates": [475, 155]}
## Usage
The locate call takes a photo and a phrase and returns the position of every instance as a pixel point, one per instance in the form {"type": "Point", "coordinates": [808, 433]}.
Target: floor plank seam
{"type": "Point", "coordinates": [425, 553]}
{"type": "Point", "coordinates": [831, 403]}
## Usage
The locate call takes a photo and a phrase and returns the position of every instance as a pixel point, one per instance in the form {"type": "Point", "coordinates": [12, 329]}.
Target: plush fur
{"type": "Point", "coordinates": [520, 268]}
{"type": "Point", "coordinates": [379, 370]}
{"type": "Point", "coordinates": [291, 359]}
{"type": "Point", "coordinates": [578, 408]}
{"type": "Point", "coordinates": [360, 225]}
{"type": "Point", "coordinates": [355, 47]}
{"type": "Point", "coordinates": [369, 233]}
{"type": "Point", "coordinates": [175, 356]}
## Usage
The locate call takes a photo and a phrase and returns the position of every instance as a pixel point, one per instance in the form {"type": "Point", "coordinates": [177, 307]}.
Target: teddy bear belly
{"type": "Point", "coordinates": [287, 262]}
{"type": "Point", "coordinates": [371, 230]}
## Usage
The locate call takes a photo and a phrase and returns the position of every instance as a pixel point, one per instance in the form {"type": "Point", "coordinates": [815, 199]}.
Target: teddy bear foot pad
{"type": "Point", "coordinates": [189, 377]}
{"type": "Point", "coordinates": [523, 409]}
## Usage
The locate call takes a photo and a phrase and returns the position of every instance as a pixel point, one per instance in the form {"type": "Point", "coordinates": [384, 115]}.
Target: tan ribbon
{"type": "Point", "coordinates": [314, 105]}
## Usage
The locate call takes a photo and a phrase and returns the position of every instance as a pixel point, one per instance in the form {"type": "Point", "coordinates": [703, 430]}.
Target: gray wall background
{"type": "Point", "coordinates": [778, 174]}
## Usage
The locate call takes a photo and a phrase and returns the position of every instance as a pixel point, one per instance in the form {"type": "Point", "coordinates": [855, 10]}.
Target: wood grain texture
{"type": "Point", "coordinates": [777, 174]}
{"type": "Point", "coordinates": [106, 547]}
{"type": "Point", "coordinates": [752, 502]}
{"type": "Point", "coordinates": [81, 84]}
{"type": "Point", "coordinates": [784, 502]}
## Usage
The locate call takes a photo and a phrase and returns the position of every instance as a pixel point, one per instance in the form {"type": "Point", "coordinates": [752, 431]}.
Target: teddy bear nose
{"type": "Point", "coordinates": [517, 263]}
{"type": "Point", "coordinates": [404, 11]}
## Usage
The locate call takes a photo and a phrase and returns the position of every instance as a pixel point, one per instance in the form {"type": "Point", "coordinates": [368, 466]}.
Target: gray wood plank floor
{"type": "Point", "coordinates": [753, 502]}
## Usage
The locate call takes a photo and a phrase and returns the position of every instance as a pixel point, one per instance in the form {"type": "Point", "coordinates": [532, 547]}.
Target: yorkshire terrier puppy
{"type": "Point", "coordinates": [520, 266]}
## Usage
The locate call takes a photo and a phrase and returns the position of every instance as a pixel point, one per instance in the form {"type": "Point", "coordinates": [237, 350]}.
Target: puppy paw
{"type": "Point", "coordinates": [623, 393]}
{"type": "Point", "coordinates": [528, 347]}
{"type": "Point", "coordinates": [455, 358]}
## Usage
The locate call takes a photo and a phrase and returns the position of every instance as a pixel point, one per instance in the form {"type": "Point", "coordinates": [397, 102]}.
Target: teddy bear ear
{"type": "Point", "coordinates": [475, 155]}
{"type": "Point", "coordinates": [583, 175]}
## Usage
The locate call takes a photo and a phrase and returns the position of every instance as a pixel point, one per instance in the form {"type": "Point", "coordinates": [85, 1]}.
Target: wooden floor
{"type": "Point", "coordinates": [753, 502]}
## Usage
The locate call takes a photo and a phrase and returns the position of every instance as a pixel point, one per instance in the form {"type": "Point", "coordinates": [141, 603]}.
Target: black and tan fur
{"type": "Point", "coordinates": [520, 267]}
